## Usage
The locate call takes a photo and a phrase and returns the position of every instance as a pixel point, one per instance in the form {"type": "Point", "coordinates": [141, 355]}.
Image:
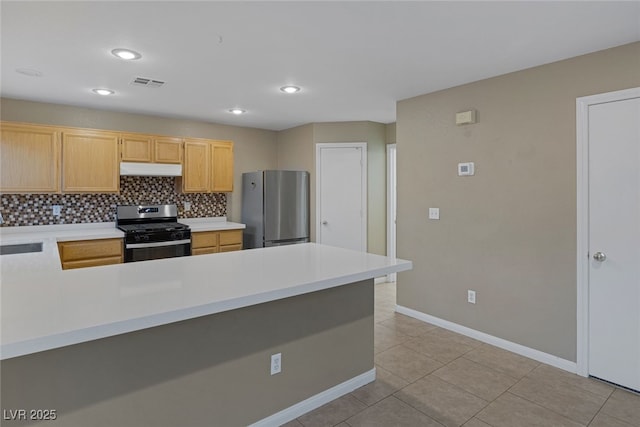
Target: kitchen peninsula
{"type": "Point", "coordinates": [188, 341]}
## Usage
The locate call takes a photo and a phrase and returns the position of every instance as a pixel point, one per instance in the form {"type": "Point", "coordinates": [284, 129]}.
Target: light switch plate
{"type": "Point", "coordinates": [434, 213]}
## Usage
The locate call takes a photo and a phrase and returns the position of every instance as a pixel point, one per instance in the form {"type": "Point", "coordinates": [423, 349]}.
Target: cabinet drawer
{"type": "Point", "coordinates": [91, 262]}
{"type": "Point", "coordinates": [88, 249]}
{"type": "Point", "coordinates": [203, 251]}
{"type": "Point", "coordinates": [231, 248]}
{"type": "Point", "coordinates": [204, 239]}
{"type": "Point", "coordinates": [231, 237]}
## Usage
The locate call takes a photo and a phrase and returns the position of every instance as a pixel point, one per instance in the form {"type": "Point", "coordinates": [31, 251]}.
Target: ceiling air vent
{"type": "Point", "coordinates": [142, 81]}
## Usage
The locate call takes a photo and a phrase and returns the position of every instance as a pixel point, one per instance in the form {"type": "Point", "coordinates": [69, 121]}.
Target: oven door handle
{"type": "Point", "coordinates": [157, 244]}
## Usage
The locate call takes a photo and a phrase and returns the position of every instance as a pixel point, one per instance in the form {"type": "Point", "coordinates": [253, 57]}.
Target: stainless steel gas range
{"type": "Point", "coordinates": [152, 232]}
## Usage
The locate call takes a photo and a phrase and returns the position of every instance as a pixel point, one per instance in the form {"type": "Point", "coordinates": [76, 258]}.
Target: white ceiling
{"type": "Point", "coordinates": [353, 59]}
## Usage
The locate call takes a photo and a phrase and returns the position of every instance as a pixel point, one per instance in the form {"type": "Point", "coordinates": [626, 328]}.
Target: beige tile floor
{"type": "Point", "coordinates": [429, 376]}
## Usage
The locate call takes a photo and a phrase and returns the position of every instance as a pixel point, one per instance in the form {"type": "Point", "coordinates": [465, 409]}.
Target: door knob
{"type": "Point", "coordinates": [324, 223]}
{"type": "Point", "coordinates": [600, 256]}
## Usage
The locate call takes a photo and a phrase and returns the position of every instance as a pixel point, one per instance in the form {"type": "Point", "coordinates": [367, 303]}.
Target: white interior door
{"type": "Point", "coordinates": [614, 241]}
{"type": "Point", "coordinates": [392, 202]}
{"type": "Point", "coordinates": [341, 195]}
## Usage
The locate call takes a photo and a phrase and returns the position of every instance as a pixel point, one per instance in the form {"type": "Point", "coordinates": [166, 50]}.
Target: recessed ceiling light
{"type": "Point", "coordinates": [126, 54]}
{"type": "Point", "coordinates": [103, 92]}
{"type": "Point", "coordinates": [290, 89]}
{"type": "Point", "coordinates": [29, 72]}
{"type": "Point", "coordinates": [237, 111]}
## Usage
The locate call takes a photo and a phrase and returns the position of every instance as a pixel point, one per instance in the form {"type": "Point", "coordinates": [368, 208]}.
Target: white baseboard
{"type": "Point", "coordinates": [522, 350]}
{"type": "Point", "coordinates": [314, 402]}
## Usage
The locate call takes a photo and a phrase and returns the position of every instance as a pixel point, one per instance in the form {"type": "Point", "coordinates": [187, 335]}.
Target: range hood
{"type": "Point", "coordinates": [150, 169]}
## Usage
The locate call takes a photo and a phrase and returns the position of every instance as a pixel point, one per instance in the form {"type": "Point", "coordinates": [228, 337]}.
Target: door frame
{"type": "Point", "coordinates": [392, 208]}
{"type": "Point", "coordinates": [364, 189]}
{"type": "Point", "coordinates": [582, 211]}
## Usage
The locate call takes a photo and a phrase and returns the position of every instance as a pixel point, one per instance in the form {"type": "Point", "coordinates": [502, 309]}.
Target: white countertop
{"type": "Point", "coordinates": [99, 230]}
{"type": "Point", "coordinates": [211, 224]}
{"type": "Point", "coordinates": [49, 235]}
{"type": "Point", "coordinates": [42, 309]}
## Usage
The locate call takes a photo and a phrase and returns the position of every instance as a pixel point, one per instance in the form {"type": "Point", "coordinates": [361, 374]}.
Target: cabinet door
{"type": "Point", "coordinates": [195, 172]}
{"type": "Point", "coordinates": [204, 239]}
{"type": "Point", "coordinates": [230, 237]}
{"type": "Point", "coordinates": [204, 242]}
{"type": "Point", "coordinates": [90, 161]}
{"type": "Point", "coordinates": [90, 253]}
{"type": "Point", "coordinates": [167, 150]}
{"type": "Point", "coordinates": [136, 148]}
{"type": "Point", "coordinates": [30, 161]}
{"type": "Point", "coordinates": [222, 166]}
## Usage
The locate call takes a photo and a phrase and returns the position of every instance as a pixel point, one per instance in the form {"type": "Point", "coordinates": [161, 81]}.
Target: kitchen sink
{"type": "Point", "coordinates": [22, 248]}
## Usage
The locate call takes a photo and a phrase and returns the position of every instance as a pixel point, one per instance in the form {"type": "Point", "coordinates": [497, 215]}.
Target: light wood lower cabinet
{"type": "Point", "coordinates": [90, 253]}
{"type": "Point", "coordinates": [211, 242]}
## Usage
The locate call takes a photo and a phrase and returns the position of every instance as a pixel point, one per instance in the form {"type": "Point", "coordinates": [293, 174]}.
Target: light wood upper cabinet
{"type": "Point", "coordinates": [143, 148]}
{"type": "Point", "coordinates": [91, 161]}
{"type": "Point", "coordinates": [207, 169]}
{"type": "Point", "coordinates": [197, 166]}
{"type": "Point", "coordinates": [136, 148]}
{"type": "Point", "coordinates": [30, 158]}
{"type": "Point", "coordinates": [167, 150]}
{"type": "Point", "coordinates": [222, 166]}
{"type": "Point", "coordinates": [208, 166]}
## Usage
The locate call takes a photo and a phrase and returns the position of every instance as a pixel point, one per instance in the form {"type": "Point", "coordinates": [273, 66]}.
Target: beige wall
{"type": "Point", "coordinates": [208, 371]}
{"type": "Point", "coordinates": [509, 232]}
{"type": "Point", "coordinates": [391, 133]}
{"type": "Point", "coordinates": [296, 150]}
{"type": "Point", "coordinates": [254, 149]}
{"type": "Point", "coordinates": [374, 135]}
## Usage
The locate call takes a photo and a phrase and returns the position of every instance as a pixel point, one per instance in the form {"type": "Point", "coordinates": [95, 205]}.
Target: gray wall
{"type": "Point", "coordinates": [208, 371]}
{"type": "Point", "coordinates": [254, 149]}
{"type": "Point", "coordinates": [509, 232]}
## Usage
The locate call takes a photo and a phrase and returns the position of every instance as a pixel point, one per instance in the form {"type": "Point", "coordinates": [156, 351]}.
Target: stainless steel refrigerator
{"type": "Point", "coordinates": [275, 208]}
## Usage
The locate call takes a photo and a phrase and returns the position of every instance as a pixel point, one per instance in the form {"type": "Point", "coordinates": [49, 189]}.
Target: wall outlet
{"type": "Point", "coordinates": [471, 296]}
{"type": "Point", "coordinates": [434, 213]}
{"type": "Point", "coordinates": [57, 210]}
{"type": "Point", "coordinates": [187, 206]}
{"type": "Point", "coordinates": [276, 363]}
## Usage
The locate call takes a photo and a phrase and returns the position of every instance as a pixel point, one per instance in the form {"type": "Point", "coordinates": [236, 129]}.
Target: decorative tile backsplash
{"type": "Point", "coordinates": [35, 209]}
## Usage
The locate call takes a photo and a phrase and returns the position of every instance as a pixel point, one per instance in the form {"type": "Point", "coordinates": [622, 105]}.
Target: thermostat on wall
{"type": "Point", "coordinates": [465, 169]}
